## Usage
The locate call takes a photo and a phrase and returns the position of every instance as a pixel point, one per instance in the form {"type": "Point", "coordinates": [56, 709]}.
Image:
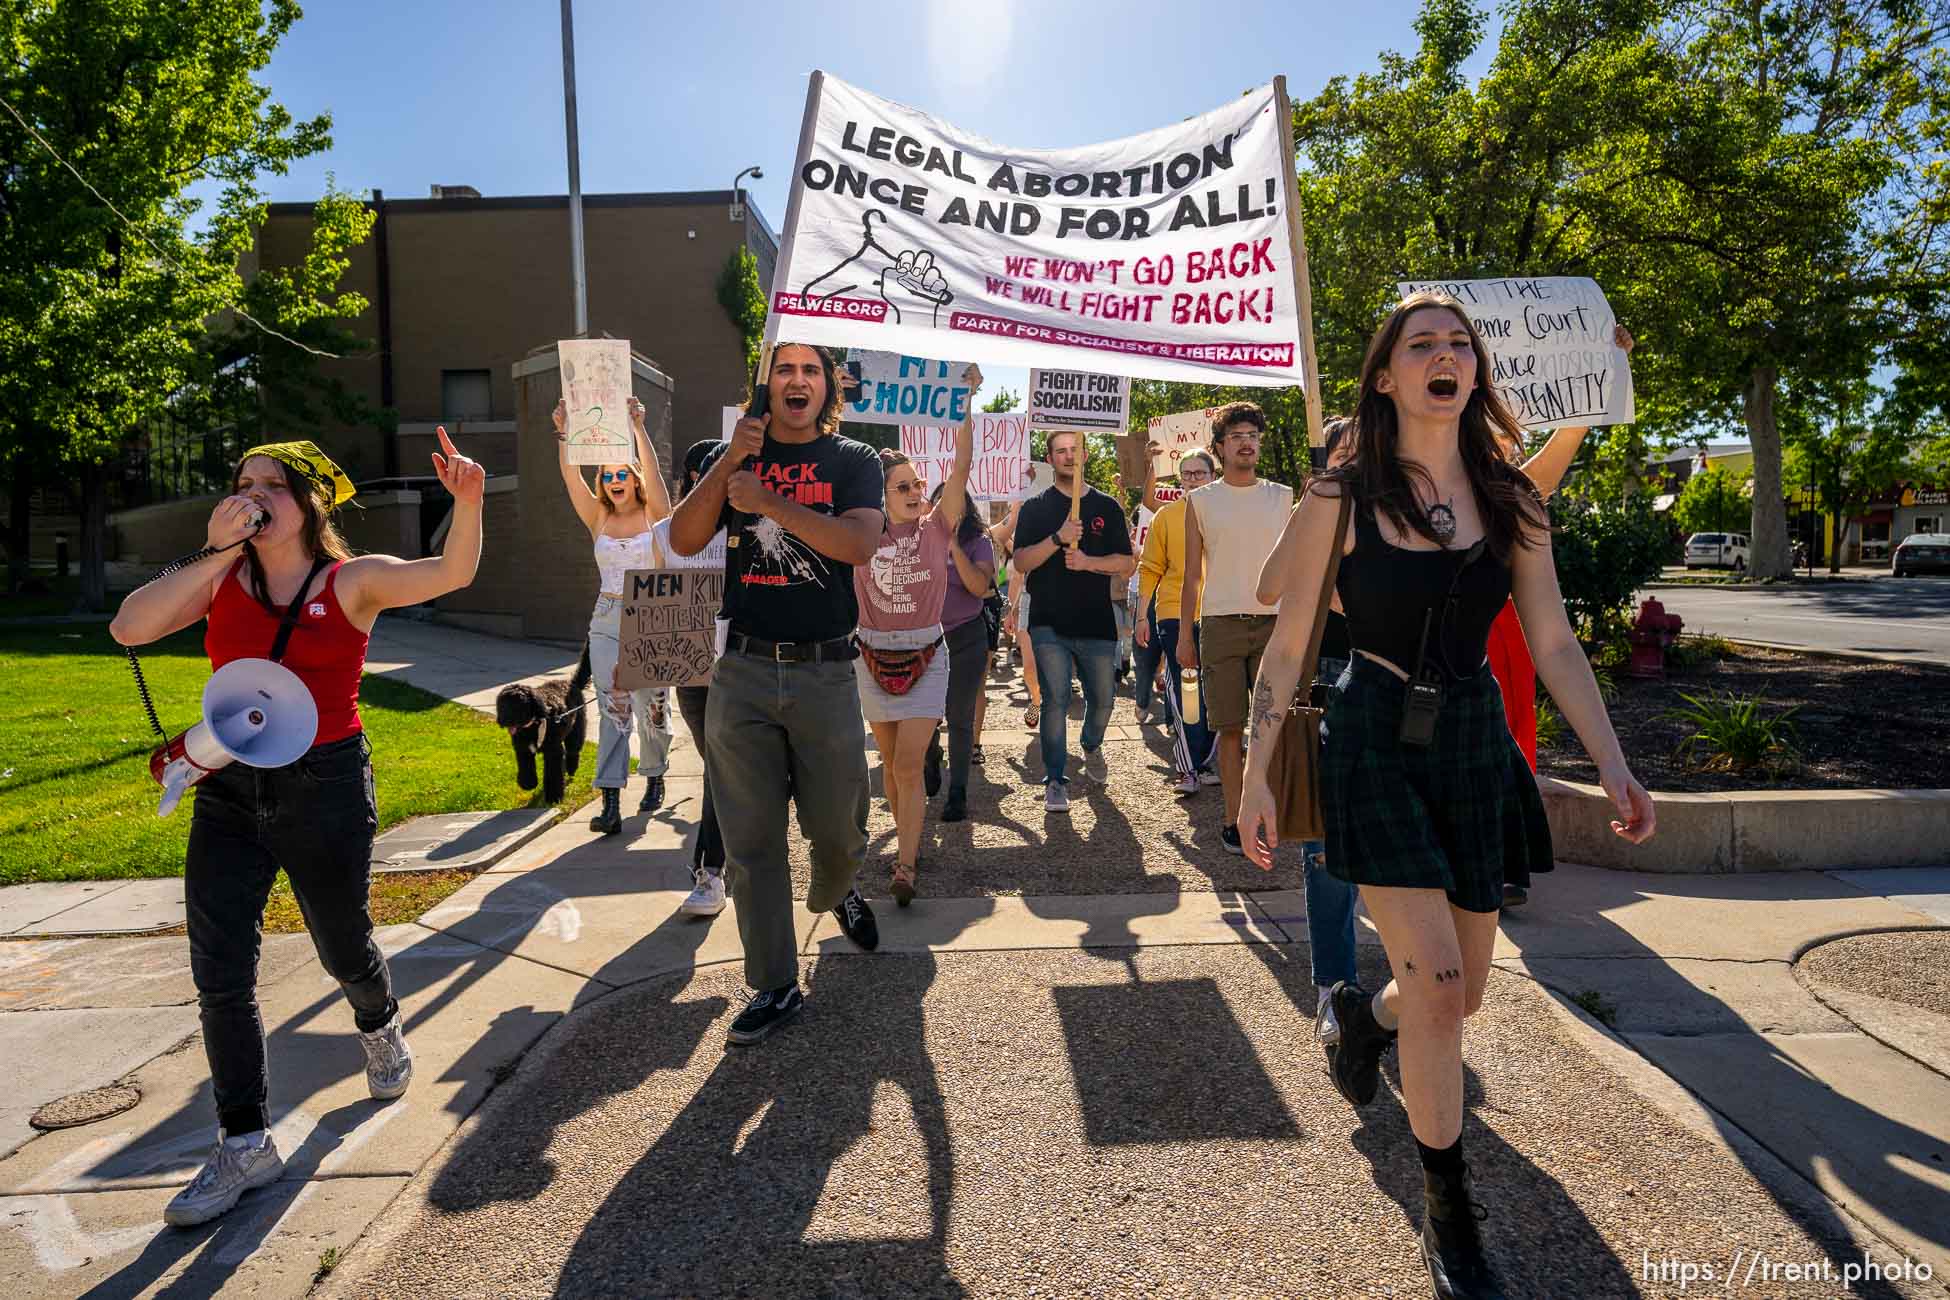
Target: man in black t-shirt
{"type": "Point", "coordinates": [801, 507]}
{"type": "Point", "coordinates": [1072, 567]}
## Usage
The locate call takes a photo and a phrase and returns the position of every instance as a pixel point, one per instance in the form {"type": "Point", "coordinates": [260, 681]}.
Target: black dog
{"type": "Point", "coordinates": [550, 718]}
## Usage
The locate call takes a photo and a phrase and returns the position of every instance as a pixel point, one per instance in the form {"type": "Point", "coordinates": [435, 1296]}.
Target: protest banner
{"type": "Point", "coordinates": [1177, 434]}
{"type": "Point", "coordinates": [1077, 399]}
{"type": "Point", "coordinates": [668, 630]}
{"type": "Point", "coordinates": [596, 389]}
{"type": "Point", "coordinates": [898, 389]}
{"type": "Point", "coordinates": [1140, 530]}
{"type": "Point", "coordinates": [1168, 493]}
{"type": "Point", "coordinates": [732, 414]}
{"type": "Point", "coordinates": [1000, 469]}
{"type": "Point", "coordinates": [1552, 352]}
{"type": "Point", "coordinates": [1177, 252]}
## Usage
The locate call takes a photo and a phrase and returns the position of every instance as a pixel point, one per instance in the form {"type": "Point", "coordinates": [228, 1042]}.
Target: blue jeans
{"type": "Point", "coordinates": [1330, 900]}
{"type": "Point", "coordinates": [1146, 658]}
{"type": "Point", "coordinates": [1198, 737]}
{"type": "Point", "coordinates": [1057, 658]}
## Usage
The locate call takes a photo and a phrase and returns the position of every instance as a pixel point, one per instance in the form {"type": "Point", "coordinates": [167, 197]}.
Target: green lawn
{"type": "Point", "coordinates": [76, 801]}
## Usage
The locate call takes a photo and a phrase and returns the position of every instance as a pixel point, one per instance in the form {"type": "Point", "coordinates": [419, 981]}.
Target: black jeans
{"type": "Point", "coordinates": [709, 853]}
{"type": "Point", "coordinates": [968, 673]}
{"type": "Point", "coordinates": [315, 818]}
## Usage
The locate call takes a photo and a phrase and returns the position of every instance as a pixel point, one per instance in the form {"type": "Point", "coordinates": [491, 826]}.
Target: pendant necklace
{"type": "Point", "coordinates": [1442, 522]}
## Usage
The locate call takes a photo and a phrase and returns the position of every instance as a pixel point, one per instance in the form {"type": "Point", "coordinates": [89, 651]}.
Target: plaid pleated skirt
{"type": "Point", "coordinates": [1460, 815]}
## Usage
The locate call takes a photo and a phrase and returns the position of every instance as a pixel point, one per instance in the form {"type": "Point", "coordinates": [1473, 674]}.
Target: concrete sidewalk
{"type": "Point", "coordinates": [1152, 1044]}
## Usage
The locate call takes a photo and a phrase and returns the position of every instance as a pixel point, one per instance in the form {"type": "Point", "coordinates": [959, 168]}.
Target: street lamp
{"type": "Point", "coordinates": [738, 194]}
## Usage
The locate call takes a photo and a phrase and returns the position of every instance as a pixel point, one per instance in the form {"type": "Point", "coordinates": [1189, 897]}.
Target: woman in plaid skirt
{"type": "Point", "coordinates": [1424, 802]}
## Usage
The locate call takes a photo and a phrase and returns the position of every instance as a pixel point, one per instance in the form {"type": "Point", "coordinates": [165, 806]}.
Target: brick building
{"type": "Point", "coordinates": [466, 296]}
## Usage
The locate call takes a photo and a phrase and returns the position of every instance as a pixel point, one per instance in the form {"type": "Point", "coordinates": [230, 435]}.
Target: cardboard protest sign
{"type": "Point", "coordinates": [1168, 493]}
{"type": "Point", "coordinates": [1172, 252]}
{"type": "Point", "coordinates": [1076, 399]}
{"type": "Point", "coordinates": [1177, 434]}
{"type": "Point", "coordinates": [596, 387]}
{"type": "Point", "coordinates": [1000, 469]}
{"type": "Point", "coordinates": [1041, 478]}
{"type": "Point", "coordinates": [897, 389]}
{"type": "Point", "coordinates": [1140, 530]}
{"type": "Point", "coordinates": [1552, 353]}
{"type": "Point", "coordinates": [668, 633]}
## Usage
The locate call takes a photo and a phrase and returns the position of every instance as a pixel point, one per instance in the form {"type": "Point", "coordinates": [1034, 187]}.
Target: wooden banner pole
{"type": "Point", "coordinates": [1076, 479]}
{"type": "Point", "coordinates": [1303, 293]}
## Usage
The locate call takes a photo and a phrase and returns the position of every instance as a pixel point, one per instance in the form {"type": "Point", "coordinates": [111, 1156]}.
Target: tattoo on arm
{"type": "Point", "coordinates": [1264, 714]}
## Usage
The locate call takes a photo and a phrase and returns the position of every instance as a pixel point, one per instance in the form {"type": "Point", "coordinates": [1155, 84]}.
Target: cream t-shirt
{"type": "Point", "coordinates": [1239, 527]}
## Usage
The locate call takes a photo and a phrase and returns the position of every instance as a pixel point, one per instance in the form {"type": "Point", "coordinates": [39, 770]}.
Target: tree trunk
{"type": "Point", "coordinates": [1838, 527]}
{"type": "Point", "coordinates": [20, 522]}
{"type": "Point", "coordinates": [1771, 557]}
{"type": "Point", "coordinates": [93, 596]}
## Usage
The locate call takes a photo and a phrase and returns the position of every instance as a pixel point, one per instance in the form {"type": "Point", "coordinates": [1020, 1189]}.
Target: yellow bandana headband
{"type": "Point", "coordinates": [307, 459]}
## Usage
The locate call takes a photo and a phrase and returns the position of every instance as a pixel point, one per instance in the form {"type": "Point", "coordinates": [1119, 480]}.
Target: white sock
{"type": "Point", "coordinates": [1382, 1016]}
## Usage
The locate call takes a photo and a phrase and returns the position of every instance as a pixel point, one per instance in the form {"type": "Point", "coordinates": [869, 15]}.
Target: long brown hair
{"type": "Point", "coordinates": [1384, 481]}
{"type": "Point", "coordinates": [321, 535]}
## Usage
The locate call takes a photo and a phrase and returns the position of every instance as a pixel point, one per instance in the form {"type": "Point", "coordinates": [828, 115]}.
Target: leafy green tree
{"type": "Point", "coordinates": [743, 300]}
{"type": "Point", "coordinates": [1004, 400]}
{"type": "Point", "coordinates": [1774, 217]}
{"type": "Point", "coordinates": [1715, 500]}
{"type": "Point", "coordinates": [104, 305]}
{"type": "Point", "coordinates": [1850, 447]}
{"type": "Point", "coordinates": [1605, 552]}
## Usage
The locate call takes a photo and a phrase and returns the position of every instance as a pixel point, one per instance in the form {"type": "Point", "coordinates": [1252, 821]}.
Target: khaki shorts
{"type": "Point", "coordinates": [1229, 648]}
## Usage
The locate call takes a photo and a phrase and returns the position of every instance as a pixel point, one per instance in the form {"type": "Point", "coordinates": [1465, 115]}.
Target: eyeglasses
{"type": "Point", "coordinates": [620, 476]}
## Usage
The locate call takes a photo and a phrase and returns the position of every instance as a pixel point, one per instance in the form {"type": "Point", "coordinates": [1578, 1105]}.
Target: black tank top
{"type": "Point", "coordinates": [1387, 591]}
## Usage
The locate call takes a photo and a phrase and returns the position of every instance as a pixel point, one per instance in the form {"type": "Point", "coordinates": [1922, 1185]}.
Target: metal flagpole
{"type": "Point", "coordinates": [575, 170]}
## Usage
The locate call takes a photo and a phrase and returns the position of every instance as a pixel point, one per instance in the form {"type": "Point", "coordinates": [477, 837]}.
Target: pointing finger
{"type": "Point", "coordinates": [446, 443]}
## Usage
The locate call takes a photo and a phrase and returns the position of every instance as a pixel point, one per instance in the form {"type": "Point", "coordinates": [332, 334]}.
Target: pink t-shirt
{"type": "Point", "coordinates": [902, 588]}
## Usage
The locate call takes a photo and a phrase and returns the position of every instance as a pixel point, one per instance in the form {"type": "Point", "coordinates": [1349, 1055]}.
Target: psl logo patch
{"type": "Point", "coordinates": [316, 609]}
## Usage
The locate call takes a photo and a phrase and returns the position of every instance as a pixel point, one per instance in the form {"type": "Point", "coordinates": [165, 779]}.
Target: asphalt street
{"type": "Point", "coordinates": [1907, 618]}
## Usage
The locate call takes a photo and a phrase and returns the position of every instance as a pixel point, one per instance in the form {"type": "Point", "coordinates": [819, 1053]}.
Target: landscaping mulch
{"type": "Point", "coordinates": [1862, 724]}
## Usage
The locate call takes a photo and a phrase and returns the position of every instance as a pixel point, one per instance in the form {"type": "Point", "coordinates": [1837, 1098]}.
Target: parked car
{"type": "Point", "coordinates": [1921, 553]}
{"type": "Point", "coordinates": [1717, 551]}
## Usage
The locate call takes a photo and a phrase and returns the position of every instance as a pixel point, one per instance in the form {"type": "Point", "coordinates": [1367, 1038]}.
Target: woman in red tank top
{"type": "Point", "coordinates": [315, 817]}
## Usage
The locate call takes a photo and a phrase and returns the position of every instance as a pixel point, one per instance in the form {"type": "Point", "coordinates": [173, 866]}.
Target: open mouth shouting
{"type": "Point", "coordinates": [1443, 387]}
{"type": "Point", "coordinates": [798, 403]}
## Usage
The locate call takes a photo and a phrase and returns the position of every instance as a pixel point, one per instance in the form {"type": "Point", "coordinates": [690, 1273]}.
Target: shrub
{"type": "Point", "coordinates": [1691, 652]}
{"type": "Point", "coordinates": [1550, 724]}
{"type": "Point", "coordinates": [1733, 733]}
{"type": "Point", "coordinates": [1605, 553]}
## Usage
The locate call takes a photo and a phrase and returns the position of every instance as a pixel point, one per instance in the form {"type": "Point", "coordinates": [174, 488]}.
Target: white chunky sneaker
{"type": "Point", "coordinates": [389, 1061]}
{"type": "Point", "coordinates": [1326, 1029]}
{"type": "Point", "coordinates": [1055, 797]}
{"type": "Point", "coordinates": [707, 899]}
{"type": "Point", "coordinates": [235, 1167]}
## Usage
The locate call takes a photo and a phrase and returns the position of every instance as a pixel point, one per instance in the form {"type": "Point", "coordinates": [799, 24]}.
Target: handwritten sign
{"type": "Point", "coordinates": [596, 387]}
{"type": "Point", "coordinates": [1552, 352]}
{"type": "Point", "coordinates": [1076, 399]}
{"type": "Point", "coordinates": [1000, 469]}
{"type": "Point", "coordinates": [1168, 493]}
{"type": "Point", "coordinates": [668, 632]}
{"type": "Point", "coordinates": [898, 389]}
{"type": "Point", "coordinates": [1177, 434]}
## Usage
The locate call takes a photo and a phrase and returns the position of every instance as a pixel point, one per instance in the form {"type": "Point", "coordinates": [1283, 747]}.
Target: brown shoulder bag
{"type": "Point", "coordinates": [1294, 775]}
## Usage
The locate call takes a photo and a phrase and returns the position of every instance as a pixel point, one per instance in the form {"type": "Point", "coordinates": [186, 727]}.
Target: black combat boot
{"type": "Point", "coordinates": [1451, 1246]}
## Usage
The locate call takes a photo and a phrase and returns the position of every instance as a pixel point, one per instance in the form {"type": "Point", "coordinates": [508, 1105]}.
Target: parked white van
{"type": "Point", "coordinates": [1717, 551]}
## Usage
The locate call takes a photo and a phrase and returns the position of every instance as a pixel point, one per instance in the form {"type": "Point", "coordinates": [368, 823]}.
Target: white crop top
{"type": "Point", "coordinates": [616, 556]}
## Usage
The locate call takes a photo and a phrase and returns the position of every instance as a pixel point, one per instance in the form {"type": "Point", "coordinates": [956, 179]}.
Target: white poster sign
{"type": "Point", "coordinates": [1552, 351]}
{"type": "Point", "coordinates": [898, 389]}
{"type": "Point", "coordinates": [732, 414]}
{"type": "Point", "coordinates": [596, 386]}
{"type": "Point", "coordinates": [1167, 253]}
{"type": "Point", "coordinates": [1000, 471]}
{"type": "Point", "coordinates": [1077, 399]}
{"type": "Point", "coordinates": [1177, 434]}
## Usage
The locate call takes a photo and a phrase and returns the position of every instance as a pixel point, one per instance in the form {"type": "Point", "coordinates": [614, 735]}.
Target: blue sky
{"type": "Point", "coordinates": [680, 96]}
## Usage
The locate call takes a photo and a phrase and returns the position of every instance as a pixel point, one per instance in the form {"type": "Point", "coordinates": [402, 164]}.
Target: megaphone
{"type": "Point", "coordinates": [255, 712]}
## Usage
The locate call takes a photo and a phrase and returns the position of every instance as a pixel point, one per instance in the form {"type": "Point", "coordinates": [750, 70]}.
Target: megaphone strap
{"type": "Point", "coordinates": [290, 620]}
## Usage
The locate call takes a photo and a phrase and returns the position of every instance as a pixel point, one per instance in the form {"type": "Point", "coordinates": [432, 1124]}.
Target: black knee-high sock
{"type": "Point", "coordinates": [1445, 1163]}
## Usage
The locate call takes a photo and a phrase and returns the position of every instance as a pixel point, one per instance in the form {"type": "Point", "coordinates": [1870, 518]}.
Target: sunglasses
{"type": "Point", "coordinates": [620, 476]}
{"type": "Point", "coordinates": [908, 488]}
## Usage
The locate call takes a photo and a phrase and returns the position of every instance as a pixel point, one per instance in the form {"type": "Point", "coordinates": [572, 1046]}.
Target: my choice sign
{"type": "Point", "coordinates": [1075, 399]}
{"type": "Point", "coordinates": [1552, 353]}
{"type": "Point", "coordinates": [898, 389]}
{"type": "Point", "coordinates": [1169, 251]}
{"type": "Point", "coordinates": [1177, 434]}
{"type": "Point", "coordinates": [1000, 471]}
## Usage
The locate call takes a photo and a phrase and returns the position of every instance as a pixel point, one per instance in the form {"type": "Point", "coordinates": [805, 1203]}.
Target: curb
{"type": "Point", "coordinates": [1676, 1102]}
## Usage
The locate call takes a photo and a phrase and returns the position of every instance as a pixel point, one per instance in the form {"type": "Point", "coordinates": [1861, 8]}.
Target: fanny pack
{"type": "Point", "coordinates": [896, 671]}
